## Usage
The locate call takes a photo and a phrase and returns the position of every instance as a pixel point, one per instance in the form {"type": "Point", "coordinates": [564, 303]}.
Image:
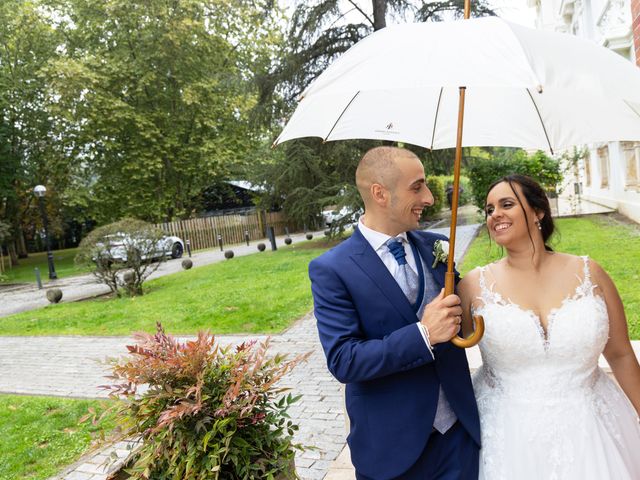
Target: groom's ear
{"type": "Point", "coordinates": [379, 194]}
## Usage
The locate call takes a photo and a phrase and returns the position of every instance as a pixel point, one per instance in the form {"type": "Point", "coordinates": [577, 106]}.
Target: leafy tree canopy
{"type": "Point", "coordinates": [31, 145]}
{"type": "Point", "coordinates": [126, 107]}
{"type": "Point", "coordinates": [160, 92]}
{"type": "Point", "coordinates": [539, 166]}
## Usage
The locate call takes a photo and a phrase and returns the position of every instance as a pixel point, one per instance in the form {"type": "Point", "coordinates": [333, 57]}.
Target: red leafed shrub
{"type": "Point", "coordinates": [205, 411]}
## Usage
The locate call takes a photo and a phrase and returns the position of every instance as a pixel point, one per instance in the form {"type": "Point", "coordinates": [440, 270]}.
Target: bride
{"type": "Point", "coordinates": [547, 410]}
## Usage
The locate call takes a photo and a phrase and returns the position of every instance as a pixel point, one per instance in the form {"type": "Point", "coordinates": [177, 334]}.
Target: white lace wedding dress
{"type": "Point", "coordinates": [547, 411]}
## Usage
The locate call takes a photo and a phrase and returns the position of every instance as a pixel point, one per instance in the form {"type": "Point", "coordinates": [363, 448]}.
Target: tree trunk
{"type": "Point", "coordinates": [11, 249]}
{"type": "Point", "coordinates": [379, 14]}
{"type": "Point", "coordinates": [21, 244]}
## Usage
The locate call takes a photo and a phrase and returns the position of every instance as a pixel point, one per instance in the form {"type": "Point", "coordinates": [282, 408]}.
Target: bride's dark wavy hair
{"type": "Point", "coordinates": [536, 198]}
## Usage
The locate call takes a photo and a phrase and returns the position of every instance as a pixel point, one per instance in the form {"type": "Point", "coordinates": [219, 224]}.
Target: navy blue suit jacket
{"type": "Point", "coordinates": [368, 333]}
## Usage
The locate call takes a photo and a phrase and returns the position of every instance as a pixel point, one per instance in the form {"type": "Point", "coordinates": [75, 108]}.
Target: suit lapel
{"type": "Point", "coordinates": [369, 261]}
{"type": "Point", "coordinates": [425, 248]}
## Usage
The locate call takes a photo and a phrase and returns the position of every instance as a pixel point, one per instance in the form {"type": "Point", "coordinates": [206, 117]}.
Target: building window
{"type": "Point", "coordinates": [587, 167]}
{"type": "Point", "coordinates": [631, 153]}
{"type": "Point", "coordinates": [603, 158]}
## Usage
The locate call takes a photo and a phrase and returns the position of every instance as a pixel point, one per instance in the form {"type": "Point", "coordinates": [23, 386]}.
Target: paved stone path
{"type": "Point", "coordinates": [71, 367]}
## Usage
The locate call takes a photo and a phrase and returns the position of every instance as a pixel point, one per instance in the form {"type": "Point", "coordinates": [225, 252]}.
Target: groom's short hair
{"type": "Point", "coordinates": [378, 165]}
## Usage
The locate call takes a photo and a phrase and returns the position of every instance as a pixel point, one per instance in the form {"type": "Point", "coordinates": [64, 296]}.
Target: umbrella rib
{"type": "Point", "coordinates": [339, 117]}
{"type": "Point", "coordinates": [435, 119]}
{"type": "Point", "coordinates": [626, 102]}
{"type": "Point", "coordinates": [544, 129]}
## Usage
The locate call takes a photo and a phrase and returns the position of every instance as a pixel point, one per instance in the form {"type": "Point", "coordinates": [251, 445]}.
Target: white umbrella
{"type": "Point", "coordinates": [503, 84]}
{"type": "Point", "coordinates": [524, 88]}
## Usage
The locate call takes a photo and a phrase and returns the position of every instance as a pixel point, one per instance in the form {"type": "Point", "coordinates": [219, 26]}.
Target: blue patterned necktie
{"type": "Point", "coordinates": [409, 282]}
{"type": "Point", "coordinates": [406, 277]}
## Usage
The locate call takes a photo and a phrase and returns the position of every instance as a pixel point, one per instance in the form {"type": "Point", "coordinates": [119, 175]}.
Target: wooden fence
{"type": "Point", "coordinates": [203, 232]}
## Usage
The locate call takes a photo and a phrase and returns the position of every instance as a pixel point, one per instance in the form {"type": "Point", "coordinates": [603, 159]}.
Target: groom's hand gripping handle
{"type": "Point", "coordinates": [442, 317]}
{"type": "Point", "coordinates": [476, 336]}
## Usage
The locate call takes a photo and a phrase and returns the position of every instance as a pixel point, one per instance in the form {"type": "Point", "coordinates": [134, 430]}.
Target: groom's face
{"type": "Point", "coordinates": [410, 194]}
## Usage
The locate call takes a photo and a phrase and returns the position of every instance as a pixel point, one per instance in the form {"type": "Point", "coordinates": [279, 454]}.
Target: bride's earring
{"type": "Point", "coordinates": [538, 224]}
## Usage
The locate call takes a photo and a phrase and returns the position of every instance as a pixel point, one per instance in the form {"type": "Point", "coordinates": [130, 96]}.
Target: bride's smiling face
{"type": "Point", "coordinates": [506, 220]}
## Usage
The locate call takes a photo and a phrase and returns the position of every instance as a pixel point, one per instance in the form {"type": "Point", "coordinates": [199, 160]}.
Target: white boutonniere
{"type": "Point", "coordinates": [440, 252]}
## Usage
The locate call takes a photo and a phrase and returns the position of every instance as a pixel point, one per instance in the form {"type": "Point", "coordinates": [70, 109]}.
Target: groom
{"type": "Point", "coordinates": [385, 326]}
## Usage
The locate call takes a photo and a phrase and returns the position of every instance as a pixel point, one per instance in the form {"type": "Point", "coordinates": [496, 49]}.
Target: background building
{"type": "Point", "coordinates": [609, 173]}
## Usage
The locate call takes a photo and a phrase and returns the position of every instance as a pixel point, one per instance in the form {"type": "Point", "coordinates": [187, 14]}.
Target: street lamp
{"type": "Point", "coordinates": [39, 192]}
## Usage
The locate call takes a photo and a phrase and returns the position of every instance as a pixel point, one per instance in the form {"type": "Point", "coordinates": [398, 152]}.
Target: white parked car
{"type": "Point", "coordinates": [330, 216]}
{"type": "Point", "coordinates": [120, 243]}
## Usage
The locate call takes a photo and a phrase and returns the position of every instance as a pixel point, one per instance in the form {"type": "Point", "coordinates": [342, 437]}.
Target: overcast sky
{"type": "Point", "coordinates": [515, 11]}
{"type": "Point", "coordinates": [512, 10]}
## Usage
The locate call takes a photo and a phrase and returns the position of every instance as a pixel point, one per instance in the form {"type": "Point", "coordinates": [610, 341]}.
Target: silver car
{"type": "Point", "coordinates": [119, 244]}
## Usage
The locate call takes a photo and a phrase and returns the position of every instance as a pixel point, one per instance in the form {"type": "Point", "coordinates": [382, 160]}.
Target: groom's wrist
{"type": "Point", "coordinates": [424, 332]}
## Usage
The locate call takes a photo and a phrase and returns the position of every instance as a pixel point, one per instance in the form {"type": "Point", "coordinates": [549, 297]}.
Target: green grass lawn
{"type": "Point", "coordinates": [613, 243]}
{"type": "Point", "coordinates": [62, 261]}
{"type": "Point", "coordinates": [260, 293]}
{"type": "Point", "coordinates": [41, 435]}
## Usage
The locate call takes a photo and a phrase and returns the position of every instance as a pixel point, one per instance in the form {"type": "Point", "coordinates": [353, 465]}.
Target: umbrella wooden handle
{"type": "Point", "coordinates": [478, 332]}
{"type": "Point", "coordinates": [449, 278]}
{"type": "Point", "coordinates": [474, 338]}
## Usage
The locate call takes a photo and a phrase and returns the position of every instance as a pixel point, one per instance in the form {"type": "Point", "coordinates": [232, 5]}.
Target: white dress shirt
{"type": "Point", "coordinates": [378, 242]}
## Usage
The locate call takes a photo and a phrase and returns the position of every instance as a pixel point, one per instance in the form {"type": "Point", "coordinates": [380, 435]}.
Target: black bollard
{"type": "Point", "coordinates": [188, 244]}
{"type": "Point", "coordinates": [220, 242]}
{"type": "Point", "coordinates": [246, 236]}
{"type": "Point", "coordinates": [272, 238]}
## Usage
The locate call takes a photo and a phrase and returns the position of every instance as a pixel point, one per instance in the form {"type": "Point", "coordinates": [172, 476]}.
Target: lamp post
{"type": "Point", "coordinates": [39, 192]}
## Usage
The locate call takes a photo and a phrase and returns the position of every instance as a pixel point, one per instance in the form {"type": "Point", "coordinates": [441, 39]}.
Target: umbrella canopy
{"type": "Point", "coordinates": [524, 88]}
{"type": "Point", "coordinates": [481, 82]}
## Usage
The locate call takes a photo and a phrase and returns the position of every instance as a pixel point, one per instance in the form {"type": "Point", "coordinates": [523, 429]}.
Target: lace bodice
{"type": "Point", "coordinates": [519, 355]}
{"type": "Point", "coordinates": [547, 411]}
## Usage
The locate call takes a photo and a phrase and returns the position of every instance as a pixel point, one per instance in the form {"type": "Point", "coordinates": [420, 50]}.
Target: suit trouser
{"type": "Point", "coordinates": [452, 456]}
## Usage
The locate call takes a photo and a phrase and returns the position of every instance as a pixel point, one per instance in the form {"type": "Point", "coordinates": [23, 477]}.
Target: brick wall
{"type": "Point", "coordinates": [635, 15]}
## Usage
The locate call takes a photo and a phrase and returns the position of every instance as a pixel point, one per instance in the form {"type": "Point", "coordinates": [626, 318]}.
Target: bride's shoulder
{"type": "Point", "coordinates": [474, 276]}
{"type": "Point", "coordinates": [569, 261]}
{"type": "Point", "coordinates": [580, 264]}
{"type": "Point", "coordinates": [471, 280]}
{"type": "Point", "coordinates": [471, 277]}
{"type": "Point", "coordinates": [565, 260]}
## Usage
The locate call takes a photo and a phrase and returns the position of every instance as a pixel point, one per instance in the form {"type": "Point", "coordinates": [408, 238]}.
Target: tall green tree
{"type": "Point", "coordinates": [160, 92]}
{"type": "Point", "coordinates": [125, 107]}
{"type": "Point", "coordinates": [312, 173]}
{"type": "Point", "coordinates": [30, 147]}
